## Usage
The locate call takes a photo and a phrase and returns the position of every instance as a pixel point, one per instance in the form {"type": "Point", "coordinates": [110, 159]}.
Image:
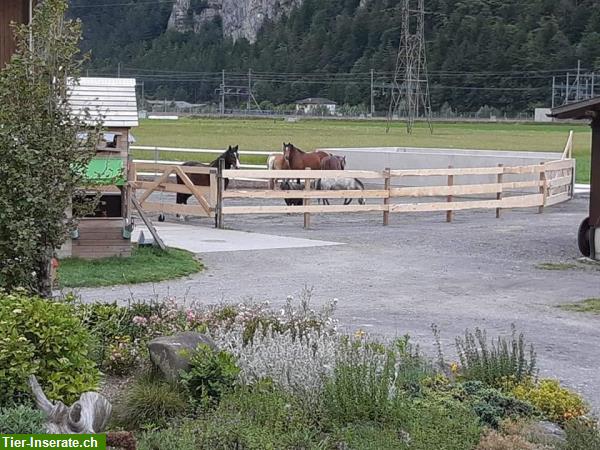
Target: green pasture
{"type": "Point", "coordinates": [269, 134]}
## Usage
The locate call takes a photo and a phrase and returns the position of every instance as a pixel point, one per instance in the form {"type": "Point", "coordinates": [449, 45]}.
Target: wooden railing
{"type": "Point", "coordinates": [165, 181]}
{"type": "Point", "coordinates": [545, 185]}
{"type": "Point", "coordinates": [386, 192]}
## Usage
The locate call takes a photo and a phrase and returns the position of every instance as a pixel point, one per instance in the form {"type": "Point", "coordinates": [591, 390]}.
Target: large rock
{"type": "Point", "coordinates": [548, 433]}
{"type": "Point", "coordinates": [241, 18]}
{"type": "Point", "coordinates": [171, 354]}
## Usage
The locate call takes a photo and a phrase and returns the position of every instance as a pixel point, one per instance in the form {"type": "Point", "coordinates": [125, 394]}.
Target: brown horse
{"type": "Point", "coordinates": [299, 160]}
{"type": "Point", "coordinates": [276, 162]}
{"type": "Point", "coordinates": [333, 163]}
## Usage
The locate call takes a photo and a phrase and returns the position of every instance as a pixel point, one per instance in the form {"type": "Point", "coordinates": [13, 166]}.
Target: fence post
{"type": "Point", "coordinates": [573, 177]}
{"type": "Point", "coordinates": [307, 202]}
{"type": "Point", "coordinates": [500, 193]}
{"type": "Point", "coordinates": [220, 190]}
{"type": "Point", "coordinates": [386, 200]}
{"type": "Point", "coordinates": [543, 188]}
{"type": "Point", "coordinates": [450, 213]}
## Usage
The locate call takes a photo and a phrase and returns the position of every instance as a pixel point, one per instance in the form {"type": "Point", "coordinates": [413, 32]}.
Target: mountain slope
{"type": "Point", "coordinates": [507, 50]}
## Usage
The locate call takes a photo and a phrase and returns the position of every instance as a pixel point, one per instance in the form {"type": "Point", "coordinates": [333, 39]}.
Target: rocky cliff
{"type": "Point", "coordinates": [241, 18]}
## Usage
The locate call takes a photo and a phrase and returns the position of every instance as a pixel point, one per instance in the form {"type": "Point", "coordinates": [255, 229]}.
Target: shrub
{"type": "Point", "coordinates": [504, 360]}
{"type": "Point", "coordinates": [555, 402]}
{"type": "Point", "coordinates": [172, 439]}
{"type": "Point", "coordinates": [211, 374]}
{"type": "Point", "coordinates": [582, 435]}
{"type": "Point", "coordinates": [259, 417]}
{"type": "Point", "coordinates": [437, 424]}
{"type": "Point", "coordinates": [47, 339]}
{"type": "Point", "coordinates": [122, 356]}
{"type": "Point", "coordinates": [150, 403]}
{"type": "Point", "coordinates": [368, 377]}
{"type": "Point", "coordinates": [21, 420]}
{"type": "Point", "coordinates": [491, 405]}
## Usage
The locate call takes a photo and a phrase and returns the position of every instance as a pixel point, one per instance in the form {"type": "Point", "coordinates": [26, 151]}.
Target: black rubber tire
{"type": "Point", "coordinates": [583, 238]}
{"type": "Point", "coordinates": [161, 218]}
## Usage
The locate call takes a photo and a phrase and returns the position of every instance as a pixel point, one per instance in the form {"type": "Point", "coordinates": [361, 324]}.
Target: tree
{"type": "Point", "coordinates": [42, 154]}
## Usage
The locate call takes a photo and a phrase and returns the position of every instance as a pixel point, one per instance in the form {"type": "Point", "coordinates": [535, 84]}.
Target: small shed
{"type": "Point", "coordinates": [589, 231]}
{"type": "Point", "coordinates": [108, 231]}
{"type": "Point", "coordinates": [312, 105]}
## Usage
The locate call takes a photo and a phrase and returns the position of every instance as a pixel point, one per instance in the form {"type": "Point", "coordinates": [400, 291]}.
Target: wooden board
{"type": "Point", "coordinates": [558, 182]}
{"type": "Point", "coordinates": [559, 165]}
{"type": "Point", "coordinates": [301, 209]}
{"type": "Point", "coordinates": [442, 191]}
{"type": "Point", "coordinates": [302, 174]}
{"type": "Point", "coordinates": [446, 172]}
{"type": "Point", "coordinates": [170, 187]}
{"type": "Point", "coordinates": [507, 202]}
{"type": "Point", "coordinates": [186, 210]}
{"type": "Point", "coordinates": [141, 167]}
{"type": "Point", "coordinates": [556, 199]}
{"type": "Point", "coordinates": [522, 170]}
{"type": "Point", "coordinates": [521, 184]}
{"type": "Point", "coordinates": [305, 194]}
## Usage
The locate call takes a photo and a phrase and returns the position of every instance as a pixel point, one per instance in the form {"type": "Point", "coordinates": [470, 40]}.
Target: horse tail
{"type": "Point", "coordinates": [360, 184]}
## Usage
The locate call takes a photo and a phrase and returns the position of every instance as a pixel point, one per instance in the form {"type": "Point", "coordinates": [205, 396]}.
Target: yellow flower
{"type": "Point", "coordinates": [454, 368]}
{"type": "Point", "coordinates": [360, 334]}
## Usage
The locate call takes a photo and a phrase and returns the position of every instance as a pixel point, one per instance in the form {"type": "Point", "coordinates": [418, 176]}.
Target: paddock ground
{"type": "Point", "coordinates": [475, 272]}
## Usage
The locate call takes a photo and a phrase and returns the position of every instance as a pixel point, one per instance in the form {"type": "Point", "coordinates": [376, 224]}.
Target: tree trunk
{"type": "Point", "coordinates": [44, 274]}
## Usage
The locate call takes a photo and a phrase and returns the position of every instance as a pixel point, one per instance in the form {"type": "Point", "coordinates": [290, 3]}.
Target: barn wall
{"type": "Point", "coordinates": [10, 11]}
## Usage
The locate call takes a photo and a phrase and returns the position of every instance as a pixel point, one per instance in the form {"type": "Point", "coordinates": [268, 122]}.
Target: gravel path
{"type": "Point", "coordinates": [477, 271]}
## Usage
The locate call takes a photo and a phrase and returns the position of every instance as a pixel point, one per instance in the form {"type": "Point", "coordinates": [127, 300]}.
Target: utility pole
{"type": "Point", "coordinates": [553, 88]}
{"type": "Point", "coordinates": [223, 93]}
{"type": "Point", "coordinates": [410, 87]}
{"type": "Point", "coordinates": [577, 95]}
{"type": "Point", "coordinates": [249, 89]}
{"type": "Point", "coordinates": [372, 93]}
{"type": "Point", "coordinates": [119, 70]}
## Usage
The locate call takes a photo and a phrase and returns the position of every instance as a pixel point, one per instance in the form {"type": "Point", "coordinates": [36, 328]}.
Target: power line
{"type": "Point", "coordinates": [110, 5]}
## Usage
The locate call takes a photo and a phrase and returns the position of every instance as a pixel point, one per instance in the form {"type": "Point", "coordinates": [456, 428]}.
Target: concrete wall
{"type": "Point", "coordinates": [430, 158]}
{"type": "Point", "coordinates": [541, 115]}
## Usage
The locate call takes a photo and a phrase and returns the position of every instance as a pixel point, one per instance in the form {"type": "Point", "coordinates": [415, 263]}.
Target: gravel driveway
{"type": "Point", "coordinates": [475, 272]}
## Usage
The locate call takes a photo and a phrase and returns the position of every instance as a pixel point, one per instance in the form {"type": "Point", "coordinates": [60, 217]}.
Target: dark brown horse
{"type": "Point", "coordinates": [232, 159]}
{"type": "Point", "coordinates": [299, 160]}
{"type": "Point", "coordinates": [333, 163]}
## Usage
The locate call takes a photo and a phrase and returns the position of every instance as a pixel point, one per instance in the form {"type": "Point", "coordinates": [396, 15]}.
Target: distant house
{"type": "Point", "coordinates": [316, 106]}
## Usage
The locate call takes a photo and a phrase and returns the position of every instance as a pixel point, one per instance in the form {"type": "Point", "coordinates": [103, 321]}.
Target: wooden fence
{"type": "Point", "coordinates": [539, 185]}
{"type": "Point", "coordinates": [551, 183]}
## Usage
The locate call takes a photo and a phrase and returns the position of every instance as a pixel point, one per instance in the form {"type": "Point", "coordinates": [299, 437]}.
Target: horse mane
{"type": "Point", "coordinates": [293, 147]}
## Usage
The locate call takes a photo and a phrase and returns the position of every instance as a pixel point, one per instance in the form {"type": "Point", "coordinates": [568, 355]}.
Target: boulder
{"type": "Point", "coordinates": [171, 354]}
{"type": "Point", "coordinates": [548, 432]}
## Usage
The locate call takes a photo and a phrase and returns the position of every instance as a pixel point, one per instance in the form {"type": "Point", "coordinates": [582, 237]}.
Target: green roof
{"type": "Point", "coordinates": [106, 171]}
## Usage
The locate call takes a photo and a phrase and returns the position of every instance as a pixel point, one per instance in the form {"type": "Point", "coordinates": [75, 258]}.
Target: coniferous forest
{"type": "Point", "coordinates": [499, 53]}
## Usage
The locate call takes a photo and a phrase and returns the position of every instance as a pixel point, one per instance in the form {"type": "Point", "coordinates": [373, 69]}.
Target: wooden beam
{"type": "Point", "coordinates": [507, 202]}
{"type": "Point", "coordinates": [305, 194]}
{"type": "Point", "coordinates": [148, 224]}
{"type": "Point", "coordinates": [193, 189]}
{"type": "Point", "coordinates": [559, 198]}
{"type": "Point", "coordinates": [443, 191]}
{"type": "Point", "coordinates": [184, 210]}
{"type": "Point", "coordinates": [302, 209]}
{"type": "Point", "coordinates": [268, 174]}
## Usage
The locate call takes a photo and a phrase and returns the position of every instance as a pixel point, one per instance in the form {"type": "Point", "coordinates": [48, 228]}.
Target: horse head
{"type": "Point", "coordinates": [287, 150]}
{"type": "Point", "coordinates": [232, 157]}
{"type": "Point", "coordinates": [343, 163]}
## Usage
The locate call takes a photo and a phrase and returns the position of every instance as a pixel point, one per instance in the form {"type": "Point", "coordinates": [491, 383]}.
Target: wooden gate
{"type": "Point", "coordinates": [159, 178]}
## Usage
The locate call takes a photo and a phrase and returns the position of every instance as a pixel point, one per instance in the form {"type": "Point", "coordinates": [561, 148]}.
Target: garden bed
{"type": "Point", "coordinates": [285, 379]}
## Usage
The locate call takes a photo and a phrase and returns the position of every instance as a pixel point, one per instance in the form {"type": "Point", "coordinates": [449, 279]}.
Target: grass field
{"type": "Point", "coordinates": [269, 134]}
